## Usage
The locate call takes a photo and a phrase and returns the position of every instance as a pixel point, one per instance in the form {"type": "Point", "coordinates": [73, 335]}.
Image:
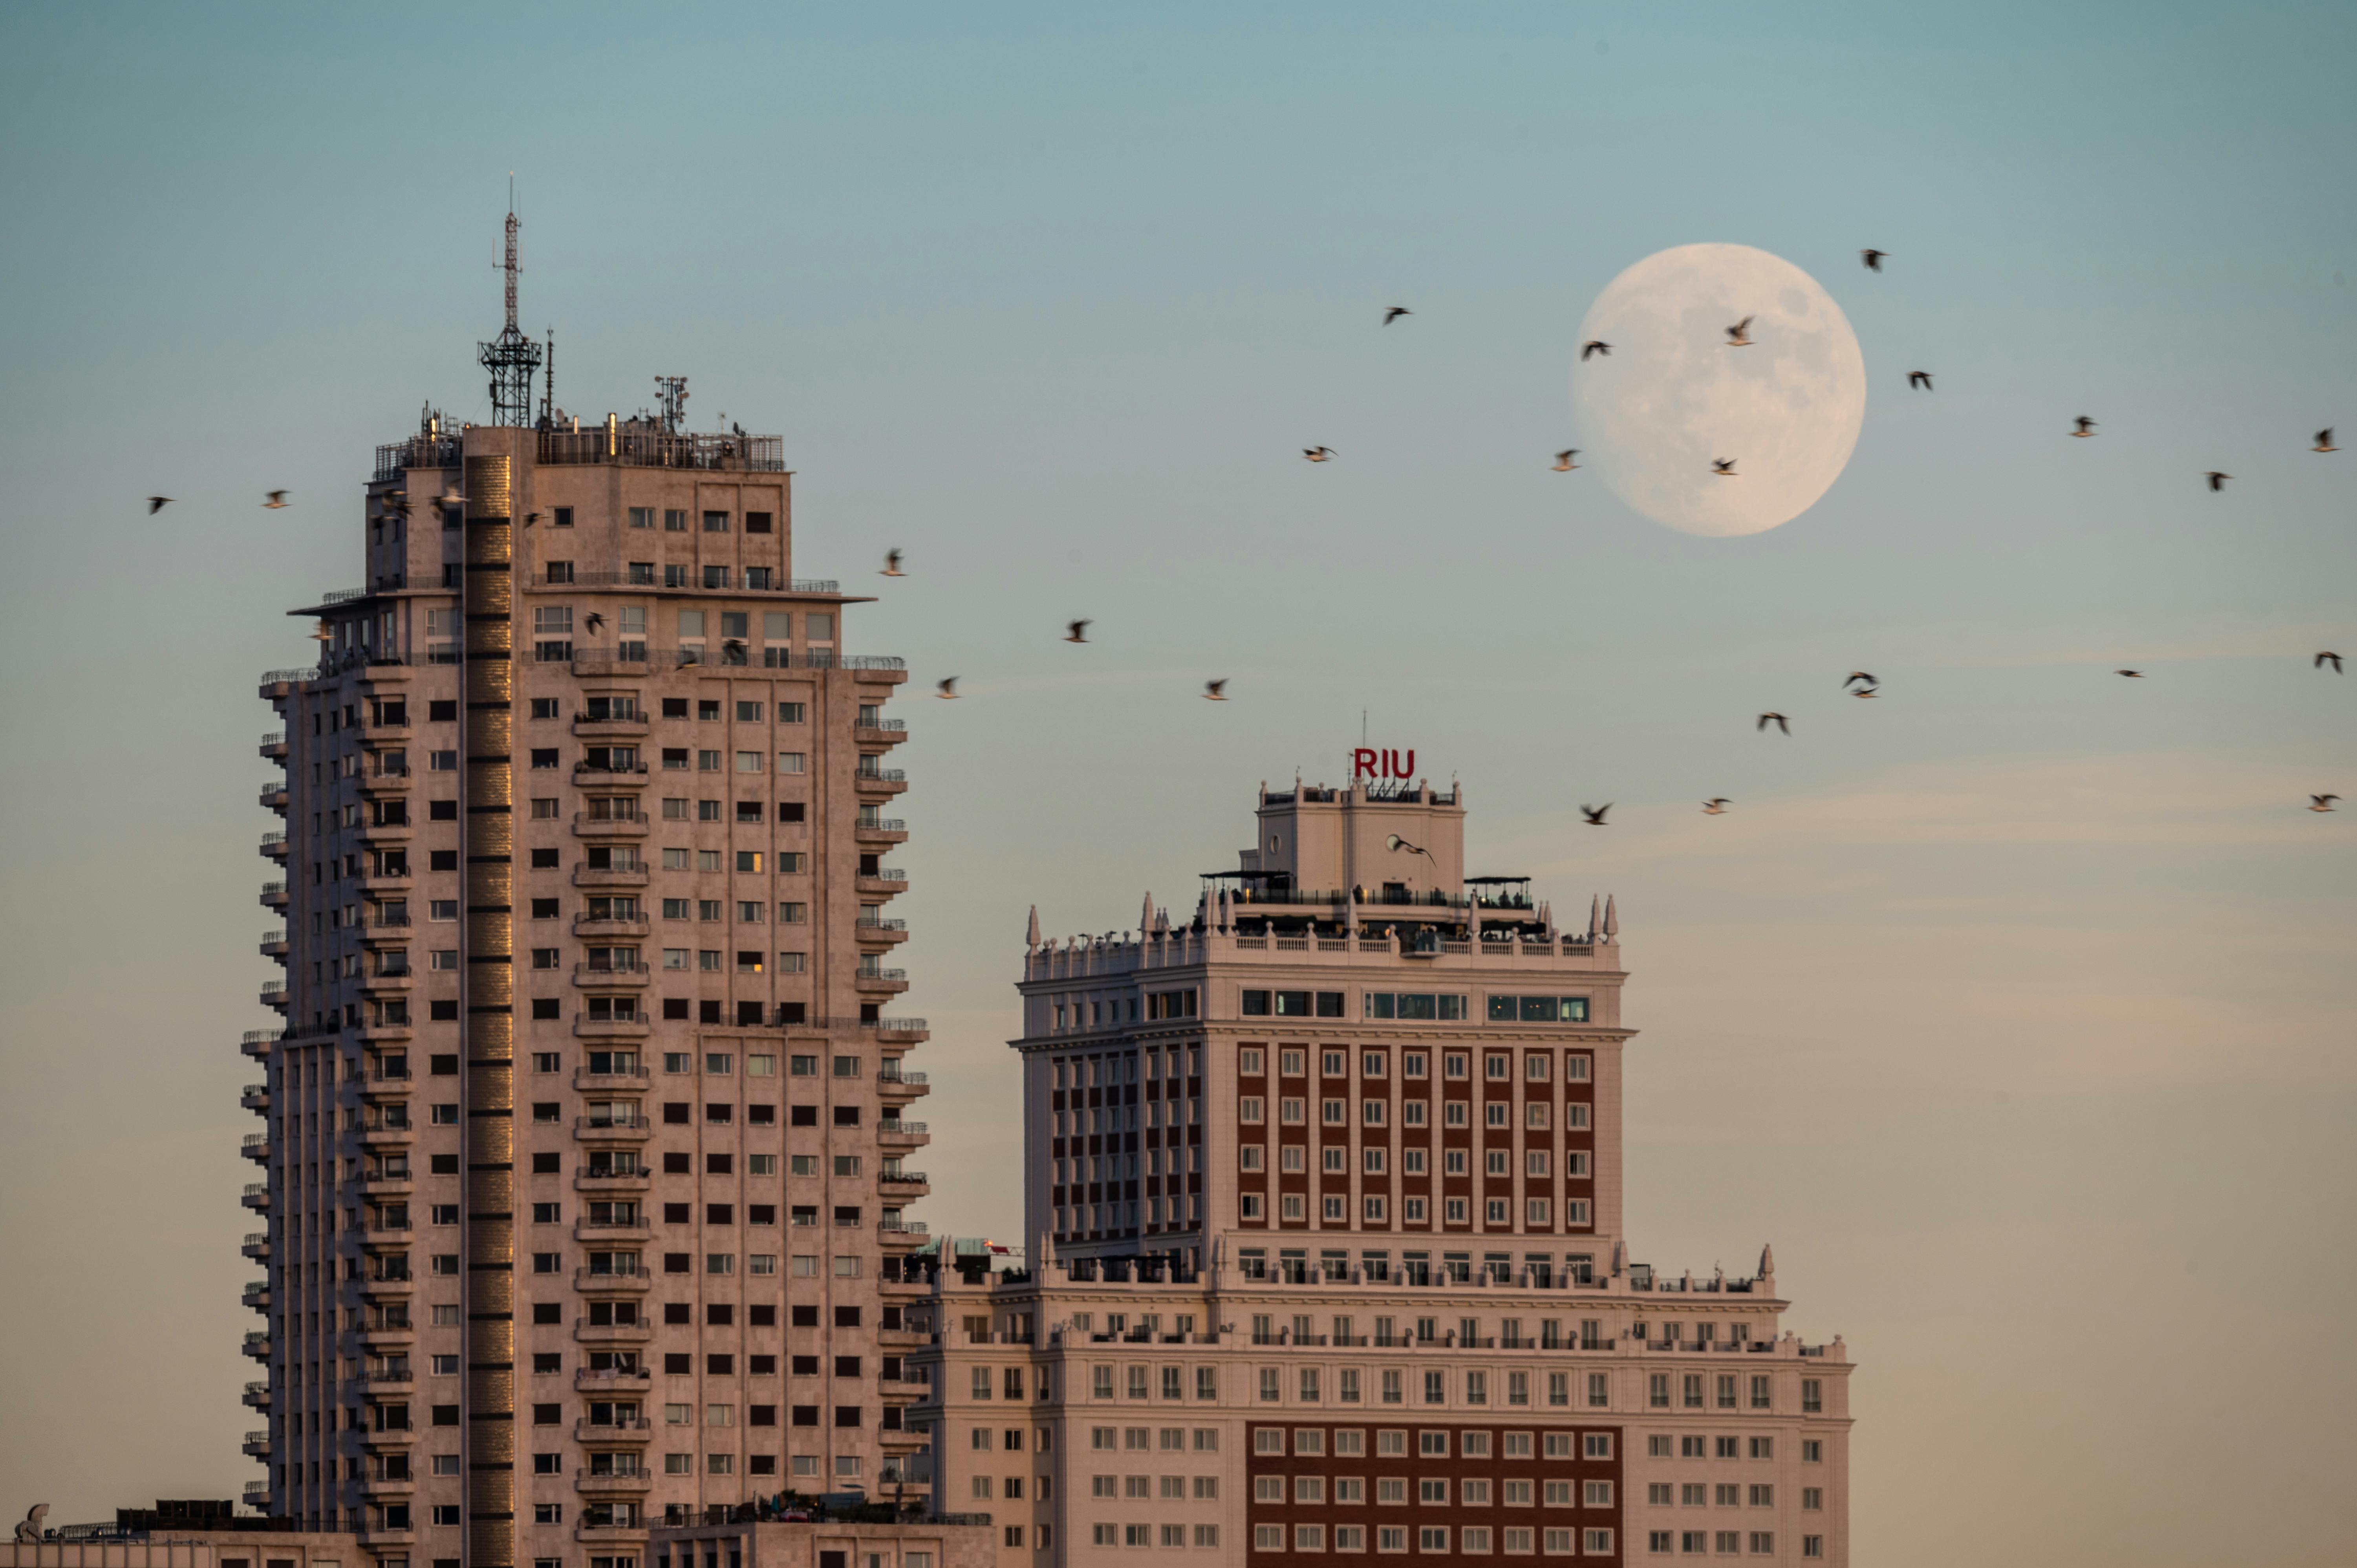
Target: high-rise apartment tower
{"type": "Point", "coordinates": [582, 1167]}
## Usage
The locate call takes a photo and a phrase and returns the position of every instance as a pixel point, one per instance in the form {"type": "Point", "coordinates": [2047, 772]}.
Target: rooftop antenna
{"type": "Point", "coordinates": [548, 398]}
{"type": "Point", "coordinates": [671, 392]}
{"type": "Point", "coordinates": [512, 358]}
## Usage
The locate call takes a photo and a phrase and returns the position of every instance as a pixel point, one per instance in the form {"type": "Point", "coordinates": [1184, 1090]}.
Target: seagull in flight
{"type": "Point", "coordinates": [594, 621]}
{"type": "Point", "coordinates": [1563, 460]}
{"type": "Point", "coordinates": [275, 501]}
{"type": "Point", "coordinates": [1077, 631]}
{"type": "Point", "coordinates": [1919, 379]}
{"type": "Point", "coordinates": [1858, 675]}
{"type": "Point", "coordinates": [2131, 674]}
{"type": "Point", "coordinates": [946, 689]}
{"type": "Point", "coordinates": [1739, 335]}
{"type": "Point", "coordinates": [321, 634]}
{"type": "Point", "coordinates": [157, 503]}
{"type": "Point", "coordinates": [2086, 428]}
{"type": "Point", "coordinates": [1873, 259]}
{"type": "Point", "coordinates": [1595, 346]}
{"type": "Point", "coordinates": [1724, 467]}
{"type": "Point", "coordinates": [2322, 802]}
{"type": "Point", "coordinates": [397, 501]}
{"type": "Point", "coordinates": [1216, 691]}
{"type": "Point", "coordinates": [1595, 814]}
{"type": "Point", "coordinates": [1394, 313]}
{"type": "Point", "coordinates": [2324, 441]}
{"type": "Point", "coordinates": [1316, 453]}
{"type": "Point", "coordinates": [2324, 659]}
{"type": "Point", "coordinates": [1865, 692]}
{"type": "Point", "coordinates": [2217, 480]}
{"type": "Point", "coordinates": [1715, 807]}
{"type": "Point", "coordinates": [892, 563]}
{"type": "Point", "coordinates": [1776, 719]}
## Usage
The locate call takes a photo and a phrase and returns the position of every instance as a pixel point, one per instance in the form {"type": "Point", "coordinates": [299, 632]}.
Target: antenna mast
{"type": "Point", "coordinates": [512, 357]}
{"type": "Point", "coordinates": [548, 398]}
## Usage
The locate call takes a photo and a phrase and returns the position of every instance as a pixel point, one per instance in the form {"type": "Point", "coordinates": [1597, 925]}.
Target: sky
{"type": "Point", "coordinates": [2013, 1008]}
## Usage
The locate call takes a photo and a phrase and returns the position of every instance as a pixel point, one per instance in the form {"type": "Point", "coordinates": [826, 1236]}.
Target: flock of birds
{"type": "Point", "coordinates": [1859, 683]}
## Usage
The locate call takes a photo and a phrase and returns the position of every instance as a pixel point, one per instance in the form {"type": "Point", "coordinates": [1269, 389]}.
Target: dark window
{"type": "Point", "coordinates": [678, 1312]}
{"type": "Point", "coordinates": [548, 1415]}
{"type": "Point", "coordinates": [761, 1115]}
{"type": "Point", "coordinates": [565, 517]}
{"type": "Point", "coordinates": [805, 1365]}
{"type": "Point", "coordinates": [679, 1364]}
{"type": "Point", "coordinates": [442, 713]}
{"type": "Point", "coordinates": [675, 1008]}
{"type": "Point", "coordinates": [1329, 1004]}
{"type": "Point", "coordinates": [720, 1366]}
{"type": "Point", "coordinates": [757, 522]}
{"type": "Point", "coordinates": [846, 1365]}
{"type": "Point", "coordinates": [441, 860]}
{"type": "Point", "coordinates": [707, 1012]}
{"type": "Point", "coordinates": [547, 1312]}
{"type": "Point", "coordinates": [544, 756]}
{"type": "Point", "coordinates": [544, 909]}
{"type": "Point", "coordinates": [1255, 1003]}
{"type": "Point", "coordinates": [790, 811]}
{"type": "Point", "coordinates": [1292, 1004]}
{"type": "Point", "coordinates": [675, 707]}
{"type": "Point", "coordinates": [762, 1414]}
{"type": "Point", "coordinates": [719, 1115]}
{"type": "Point", "coordinates": [676, 1113]}
{"type": "Point", "coordinates": [445, 1416]}
{"type": "Point", "coordinates": [561, 571]}
{"type": "Point", "coordinates": [679, 1213]}
{"type": "Point", "coordinates": [762, 1315]}
{"type": "Point", "coordinates": [443, 1066]}
{"type": "Point", "coordinates": [719, 1312]}
{"type": "Point", "coordinates": [441, 811]}
{"type": "Point", "coordinates": [544, 1006]}
{"type": "Point", "coordinates": [792, 1013]}
{"type": "Point", "coordinates": [678, 1161]}
{"type": "Point", "coordinates": [748, 1014]}
{"type": "Point", "coordinates": [718, 1165]}
{"type": "Point", "coordinates": [444, 1165]}
{"type": "Point", "coordinates": [749, 811]}
{"type": "Point", "coordinates": [846, 1215]}
{"type": "Point", "coordinates": [846, 1115]}
{"type": "Point", "coordinates": [544, 859]}
{"type": "Point", "coordinates": [801, 1115]}
{"type": "Point", "coordinates": [846, 1415]}
{"type": "Point", "coordinates": [807, 1415]}
{"type": "Point", "coordinates": [677, 1262]}
{"type": "Point", "coordinates": [546, 1164]}
{"type": "Point", "coordinates": [805, 1318]}
{"type": "Point", "coordinates": [846, 1317]}
{"type": "Point", "coordinates": [443, 1012]}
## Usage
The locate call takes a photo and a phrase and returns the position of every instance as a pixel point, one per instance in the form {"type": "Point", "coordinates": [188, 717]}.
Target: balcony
{"type": "Point", "coordinates": [603, 1232]}
{"type": "Point", "coordinates": [389, 1383]}
{"type": "Point", "coordinates": [611, 1182]}
{"type": "Point", "coordinates": [256, 1196]}
{"type": "Point", "coordinates": [387, 1029]}
{"type": "Point", "coordinates": [889, 881]}
{"type": "Point", "coordinates": [907, 1133]}
{"type": "Point", "coordinates": [880, 782]}
{"type": "Point", "coordinates": [275, 896]}
{"type": "Point", "coordinates": [901, 1232]}
{"type": "Point", "coordinates": [278, 684]}
{"type": "Point", "coordinates": [586, 1431]}
{"type": "Point", "coordinates": [882, 830]}
{"type": "Point", "coordinates": [257, 1445]}
{"type": "Point", "coordinates": [256, 1246]}
{"type": "Point", "coordinates": [384, 1240]}
{"type": "Point", "coordinates": [390, 781]}
{"type": "Point", "coordinates": [589, 1130]}
{"type": "Point", "coordinates": [615, 876]}
{"type": "Point", "coordinates": [274, 746]}
{"type": "Point", "coordinates": [388, 1335]}
{"type": "Point", "coordinates": [255, 1146]}
{"type": "Point", "coordinates": [386, 930]}
{"type": "Point", "coordinates": [381, 1087]}
{"type": "Point", "coordinates": [256, 1396]}
{"type": "Point", "coordinates": [607, 978]}
{"type": "Point", "coordinates": [883, 982]}
{"type": "Point", "coordinates": [587, 1082]}
{"type": "Point", "coordinates": [259, 1043]}
{"type": "Point", "coordinates": [276, 996]}
{"type": "Point", "coordinates": [256, 1097]}
{"type": "Point", "coordinates": [613, 727]}
{"type": "Point", "coordinates": [587, 778]}
{"type": "Point", "coordinates": [633, 1028]}
{"type": "Point", "coordinates": [588, 1333]}
{"type": "Point", "coordinates": [625, 1484]}
{"type": "Point", "coordinates": [387, 1438]}
{"type": "Point", "coordinates": [274, 844]}
{"type": "Point", "coordinates": [273, 944]}
{"type": "Point", "coordinates": [386, 832]}
{"type": "Point", "coordinates": [386, 982]}
{"type": "Point", "coordinates": [881, 731]}
{"type": "Point", "coordinates": [258, 1345]}
{"type": "Point", "coordinates": [383, 1488]}
{"type": "Point", "coordinates": [588, 1381]}
{"type": "Point", "coordinates": [604, 828]}
{"type": "Point", "coordinates": [388, 1135]}
{"type": "Point", "coordinates": [273, 797]}
{"type": "Point", "coordinates": [904, 1186]}
{"type": "Point", "coordinates": [584, 926]}
{"type": "Point", "coordinates": [389, 882]}
{"type": "Point", "coordinates": [612, 1284]}
{"type": "Point", "coordinates": [879, 930]}
{"type": "Point", "coordinates": [391, 1183]}
{"type": "Point", "coordinates": [611, 1534]}
{"type": "Point", "coordinates": [256, 1295]}
{"type": "Point", "coordinates": [388, 1287]}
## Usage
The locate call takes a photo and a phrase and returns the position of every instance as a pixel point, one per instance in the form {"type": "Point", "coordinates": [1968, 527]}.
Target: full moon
{"type": "Point", "coordinates": [1673, 397]}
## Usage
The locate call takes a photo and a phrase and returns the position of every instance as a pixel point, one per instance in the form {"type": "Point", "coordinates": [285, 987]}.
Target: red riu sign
{"type": "Point", "coordinates": [1368, 763]}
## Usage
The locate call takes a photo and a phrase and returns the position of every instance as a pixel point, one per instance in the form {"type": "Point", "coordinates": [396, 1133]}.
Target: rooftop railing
{"type": "Point", "coordinates": [639, 446]}
{"type": "Point", "coordinates": [627, 578]}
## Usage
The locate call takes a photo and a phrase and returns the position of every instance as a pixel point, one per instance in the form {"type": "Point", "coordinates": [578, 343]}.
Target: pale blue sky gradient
{"type": "Point", "coordinates": [2012, 1008]}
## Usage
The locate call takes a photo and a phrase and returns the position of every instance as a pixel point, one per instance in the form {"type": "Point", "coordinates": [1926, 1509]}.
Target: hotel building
{"type": "Point", "coordinates": [1330, 1256]}
{"type": "Point", "coordinates": [580, 1174]}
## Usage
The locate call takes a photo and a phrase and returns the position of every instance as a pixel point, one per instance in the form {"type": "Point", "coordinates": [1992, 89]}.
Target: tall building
{"type": "Point", "coordinates": [582, 1154]}
{"type": "Point", "coordinates": [1331, 1257]}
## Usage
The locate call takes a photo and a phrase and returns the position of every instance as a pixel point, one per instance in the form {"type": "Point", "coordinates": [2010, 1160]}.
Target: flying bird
{"type": "Point", "coordinates": [2324, 659]}
{"type": "Point", "coordinates": [1739, 335]}
{"type": "Point", "coordinates": [276, 501]}
{"type": "Point", "coordinates": [1724, 467]}
{"type": "Point", "coordinates": [1077, 631]}
{"type": "Point", "coordinates": [1919, 379]}
{"type": "Point", "coordinates": [1216, 691]}
{"type": "Point", "coordinates": [594, 621]}
{"type": "Point", "coordinates": [1865, 692]}
{"type": "Point", "coordinates": [2131, 674]}
{"type": "Point", "coordinates": [947, 688]}
{"type": "Point", "coordinates": [892, 563]}
{"type": "Point", "coordinates": [1776, 719]}
{"type": "Point", "coordinates": [1563, 460]}
{"type": "Point", "coordinates": [2324, 441]}
{"type": "Point", "coordinates": [1858, 675]}
{"type": "Point", "coordinates": [157, 503]}
{"type": "Point", "coordinates": [1394, 313]}
{"type": "Point", "coordinates": [1715, 807]}
{"type": "Point", "coordinates": [2217, 480]}
{"type": "Point", "coordinates": [2086, 426]}
{"type": "Point", "coordinates": [529, 519]}
{"type": "Point", "coordinates": [1316, 453]}
{"type": "Point", "coordinates": [1595, 814]}
{"type": "Point", "coordinates": [321, 634]}
{"type": "Point", "coordinates": [1595, 346]}
{"type": "Point", "coordinates": [2322, 802]}
{"type": "Point", "coordinates": [397, 501]}
{"type": "Point", "coordinates": [1873, 259]}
